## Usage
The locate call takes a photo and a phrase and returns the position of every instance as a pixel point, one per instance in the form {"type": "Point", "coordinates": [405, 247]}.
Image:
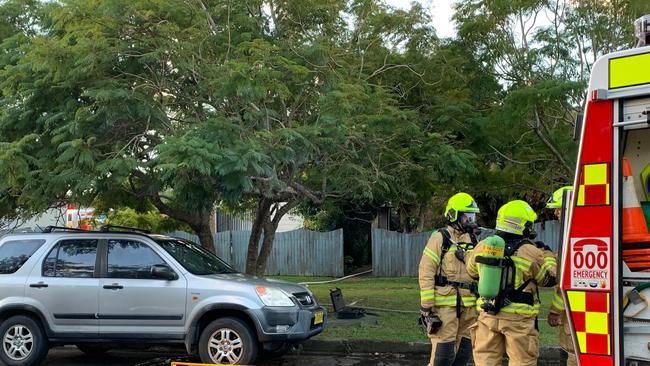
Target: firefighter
{"type": "Point", "coordinates": [557, 314]}
{"type": "Point", "coordinates": [509, 267]}
{"type": "Point", "coordinates": [447, 293]}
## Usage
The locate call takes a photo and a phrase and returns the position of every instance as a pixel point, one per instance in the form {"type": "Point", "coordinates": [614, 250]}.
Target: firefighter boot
{"type": "Point", "coordinates": [566, 341]}
{"type": "Point", "coordinates": [443, 354]}
{"type": "Point", "coordinates": [563, 357]}
{"type": "Point", "coordinates": [464, 353]}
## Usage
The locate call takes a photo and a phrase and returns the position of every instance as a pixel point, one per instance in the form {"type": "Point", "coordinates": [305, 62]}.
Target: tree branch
{"type": "Point", "coordinates": [550, 145]}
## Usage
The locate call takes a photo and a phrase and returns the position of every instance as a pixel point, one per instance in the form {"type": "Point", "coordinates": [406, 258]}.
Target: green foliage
{"type": "Point", "coordinates": [152, 221]}
{"type": "Point", "coordinates": [181, 106]}
{"type": "Point", "coordinates": [541, 52]}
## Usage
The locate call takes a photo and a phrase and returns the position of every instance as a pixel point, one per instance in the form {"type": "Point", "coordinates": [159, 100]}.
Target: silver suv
{"type": "Point", "coordinates": [98, 289]}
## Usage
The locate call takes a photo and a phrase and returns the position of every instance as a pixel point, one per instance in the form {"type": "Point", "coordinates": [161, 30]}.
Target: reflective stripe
{"type": "Point", "coordinates": [515, 308]}
{"type": "Point", "coordinates": [446, 300]}
{"type": "Point", "coordinates": [450, 300]}
{"type": "Point", "coordinates": [431, 254]}
{"type": "Point", "coordinates": [541, 274]}
{"type": "Point", "coordinates": [558, 301]}
{"type": "Point", "coordinates": [475, 266]}
{"type": "Point", "coordinates": [519, 308]}
{"type": "Point", "coordinates": [521, 264]}
{"type": "Point", "coordinates": [427, 295]}
{"type": "Point", "coordinates": [519, 278]}
{"type": "Point", "coordinates": [548, 266]}
{"type": "Point", "coordinates": [549, 263]}
{"type": "Point", "coordinates": [469, 301]}
{"type": "Point", "coordinates": [550, 260]}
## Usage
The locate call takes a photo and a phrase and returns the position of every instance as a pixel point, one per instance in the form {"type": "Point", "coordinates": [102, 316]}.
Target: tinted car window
{"type": "Point", "coordinates": [194, 258]}
{"type": "Point", "coordinates": [131, 259]}
{"type": "Point", "coordinates": [71, 258]}
{"type": "Point", "coordinates": [14, 253]}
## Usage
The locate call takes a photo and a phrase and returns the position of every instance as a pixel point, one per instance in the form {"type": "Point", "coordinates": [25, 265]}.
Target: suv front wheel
{"type": "Point", "coordinates": [23, 342]}
{"type": "Point", "coordinates": [228, 341]}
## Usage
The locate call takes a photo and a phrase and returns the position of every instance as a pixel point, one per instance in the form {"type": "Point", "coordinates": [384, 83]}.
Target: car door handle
{"type": "Point", "coordinates": [38, 285]}
{"type": "Point", "coordinates": [114, 286]}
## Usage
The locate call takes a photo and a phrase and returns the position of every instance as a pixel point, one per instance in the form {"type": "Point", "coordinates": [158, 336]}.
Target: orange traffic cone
{"type": "Point", "coordinates": [634, 225]}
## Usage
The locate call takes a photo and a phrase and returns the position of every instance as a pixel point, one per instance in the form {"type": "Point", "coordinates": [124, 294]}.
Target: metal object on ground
{"type": "Point", "coordinates": [343, 311]}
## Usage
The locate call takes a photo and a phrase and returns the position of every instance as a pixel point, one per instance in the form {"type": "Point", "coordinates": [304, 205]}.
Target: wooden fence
{"type": "Point", "coordinates": [396, 254]}
{"type": "Point", "coordinates": [297, 253]}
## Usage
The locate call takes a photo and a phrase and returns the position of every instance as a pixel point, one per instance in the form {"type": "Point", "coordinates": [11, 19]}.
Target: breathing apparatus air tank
{"type": "Point", "coordinates": [490, 271]}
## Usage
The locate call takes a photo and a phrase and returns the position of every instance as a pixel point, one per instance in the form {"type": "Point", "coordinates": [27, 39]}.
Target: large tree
{"type": "Point", "coordinates": [541, 52]}
{"type": "Point", "coordinates": [186, 104]}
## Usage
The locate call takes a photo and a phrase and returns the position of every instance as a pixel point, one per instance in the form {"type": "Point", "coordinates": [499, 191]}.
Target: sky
{"type": "Point", "coordinates": [441, 10]}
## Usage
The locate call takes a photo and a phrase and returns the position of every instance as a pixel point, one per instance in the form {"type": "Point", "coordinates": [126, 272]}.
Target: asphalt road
{"type": "Point", "coordinates": [71, 356]}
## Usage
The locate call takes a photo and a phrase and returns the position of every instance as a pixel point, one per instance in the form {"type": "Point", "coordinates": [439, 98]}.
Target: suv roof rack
{"type": "Point", "coordinates": [49, 229]}
{"type": "Point", "coordinates": [107, 228]}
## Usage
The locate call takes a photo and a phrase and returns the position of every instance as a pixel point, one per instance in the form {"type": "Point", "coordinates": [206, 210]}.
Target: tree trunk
{"type": "Point", "coordinates": [205, 236]}
{"type": "Point", "coordinates": [199, 220]}
{"type": "Point", "coordinates": [267, 245]}
{"type": "Point", "coordinates": [261, 217]}
{"type": "Point", "coordinates": [270, 229]}
{"type": "Point", "coordinates": [403, 219]}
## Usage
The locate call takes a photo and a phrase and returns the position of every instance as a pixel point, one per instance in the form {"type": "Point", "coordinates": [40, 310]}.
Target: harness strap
{"type": "Point", "coordinates": [496, 262]}
{"type": "Point", "coordinates": [443, 281]}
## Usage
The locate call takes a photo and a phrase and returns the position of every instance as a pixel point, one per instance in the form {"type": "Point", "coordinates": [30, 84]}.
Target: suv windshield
{"type": "Point", "coordinates": [194, 258]}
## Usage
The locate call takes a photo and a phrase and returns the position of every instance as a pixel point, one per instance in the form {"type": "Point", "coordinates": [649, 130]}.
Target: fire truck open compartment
{"type": "Point", "coordinates": [634, 314]}
{"type": "Point", "coordinates": [607, 302]}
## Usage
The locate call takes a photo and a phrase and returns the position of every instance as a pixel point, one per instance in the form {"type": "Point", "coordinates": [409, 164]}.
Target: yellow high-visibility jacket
{"type": "Point", "coordinates": [451, 267]}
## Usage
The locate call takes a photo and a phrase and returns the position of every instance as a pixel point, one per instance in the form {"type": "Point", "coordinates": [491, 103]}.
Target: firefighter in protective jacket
{"type": "Point", "coordinates": [447, 293]}
{"type": "Point", "coordinates": [557, 314]}
{"type": "Point", "coordinates": [510, 267]}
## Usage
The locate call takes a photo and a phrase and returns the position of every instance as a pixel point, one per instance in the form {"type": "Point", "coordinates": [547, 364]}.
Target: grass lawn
{"type": "Point", "coordinates": [393, 293]}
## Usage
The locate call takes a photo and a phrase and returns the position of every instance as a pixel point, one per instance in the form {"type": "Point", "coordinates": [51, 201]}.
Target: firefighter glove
{"type": "Point", "coordinates": [541, 245]}
{"type": "Point", "coordinates": [553, 318]}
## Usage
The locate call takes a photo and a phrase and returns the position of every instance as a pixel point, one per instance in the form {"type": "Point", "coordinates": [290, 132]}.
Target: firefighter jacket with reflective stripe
{"type": "Point", "coordinates": [532, 265]}
{"type": "Point", "coordinates": [451, 267]}
{"type": "Point", "coordinates": [557, 303]}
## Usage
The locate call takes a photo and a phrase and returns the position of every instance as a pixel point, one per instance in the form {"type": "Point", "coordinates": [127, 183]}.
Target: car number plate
{"type": "Point", "coordinates": [318, 317]}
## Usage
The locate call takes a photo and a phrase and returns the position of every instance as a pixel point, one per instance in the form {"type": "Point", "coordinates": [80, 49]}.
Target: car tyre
{"type": "Point", "coordinates": [227, 341]}
{"type": "Point", "coordinates": [23, 342]}
{"type": "Point", "coordinates": [92, 349]}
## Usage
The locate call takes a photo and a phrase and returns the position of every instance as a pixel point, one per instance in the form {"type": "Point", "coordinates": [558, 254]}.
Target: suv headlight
{"type": "Point", "coordinates": [272, 296]}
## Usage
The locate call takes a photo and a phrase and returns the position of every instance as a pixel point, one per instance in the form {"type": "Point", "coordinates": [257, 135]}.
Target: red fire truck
{"type": "Point", "coordinates": [605, 271]}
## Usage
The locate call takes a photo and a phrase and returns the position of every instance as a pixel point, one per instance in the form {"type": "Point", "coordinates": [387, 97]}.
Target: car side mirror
{"type": "Point", "coordinates": [163, 272]}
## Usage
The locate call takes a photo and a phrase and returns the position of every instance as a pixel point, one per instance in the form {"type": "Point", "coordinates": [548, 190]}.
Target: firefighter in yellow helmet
{"type": "Point", "coordinates": [557, 314]}
{"type": "Point", "coordinates": [509, 267]}
{"type": "Point", "coordinates": [447, 293]}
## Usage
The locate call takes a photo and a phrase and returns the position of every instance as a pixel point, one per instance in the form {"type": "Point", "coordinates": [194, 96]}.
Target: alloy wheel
{"type": "Point", "coordinates": [18, 342]}
{"type": "Point", "coordinates": [225, 346]}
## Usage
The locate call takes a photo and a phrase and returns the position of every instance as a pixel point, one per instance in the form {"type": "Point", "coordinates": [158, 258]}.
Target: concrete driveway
{"type": "Point", "coordinates": [71, 356]}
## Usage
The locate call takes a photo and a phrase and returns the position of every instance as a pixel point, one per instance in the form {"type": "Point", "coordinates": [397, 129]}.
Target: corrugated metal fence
{"type": "Point", "coordinates": [299, 252]}
{"type": "Point", "coordinates": [396, 254]}
{"type": "Point", "coordinates": [550, 234]}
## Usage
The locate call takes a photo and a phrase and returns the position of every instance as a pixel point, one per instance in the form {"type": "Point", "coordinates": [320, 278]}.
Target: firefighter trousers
{"type": "Point", "coordinates": [566, 341]}
{"type": "Point", "coordinates": [451, 345]}
{"type": "Point", "coordinates": [511, 334]}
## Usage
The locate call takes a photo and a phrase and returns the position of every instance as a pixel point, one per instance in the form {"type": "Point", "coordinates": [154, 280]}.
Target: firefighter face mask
{"type": "Point", "coordinates": [467, 221]}
{"type": "Point", "coordinates": [529, 232]}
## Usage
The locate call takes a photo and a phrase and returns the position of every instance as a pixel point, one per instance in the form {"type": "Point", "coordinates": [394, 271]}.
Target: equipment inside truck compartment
{"type": "Point", "coordinates": [636, 208]}
{"type": "Point", "coordinates": [635, 223]}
